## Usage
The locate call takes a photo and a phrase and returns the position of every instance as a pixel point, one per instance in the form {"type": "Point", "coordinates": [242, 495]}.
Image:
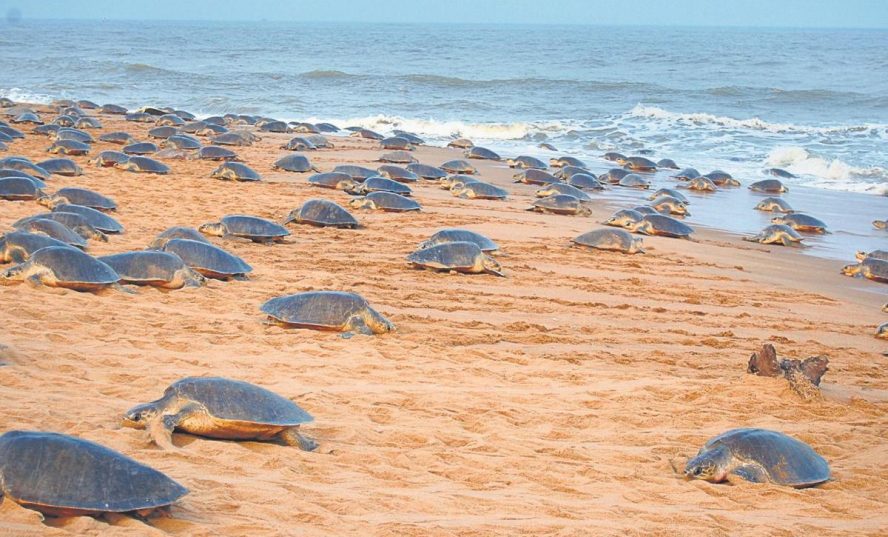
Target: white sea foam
{"type": "Point", "coordinates": [22, 96]}
{"type": "Point", "coordinates": [821, 172]}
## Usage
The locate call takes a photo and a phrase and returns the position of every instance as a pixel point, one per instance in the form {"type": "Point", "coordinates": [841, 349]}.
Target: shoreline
{"type": "Point", "coordinates": [549, 402]}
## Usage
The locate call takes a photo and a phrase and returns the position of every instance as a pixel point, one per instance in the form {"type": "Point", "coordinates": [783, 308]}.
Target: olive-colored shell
{"type": "Point", "coordinates": [177, 232]}
{"type": "Point", "coordinates": [96, 219]}
{"type": "Point", "coordinates": [294, 163]}
{"type": "Point", "coordinates": [358, 173]}
{"type": "Point", "coordinates": [482, 153]}
{"type": "Point", "coordinates": [398, 157]}
{"type": "Point", "coordinates": [560, 162]}
{"type": "Point", "coordinates": [640, 164]}
{"type": "Point", "coordinates": [665, 226]}
{"type": "Point", "coordinates": [458, 256]}
{"type": "Point", "coordinates": [633, 180]}
{"type": "Point", "coordinates": [322, 213]}
{"type": "Point", "coordinates": [108, 159]}
{"type": "Point", "coordinates": [152, 267]}
{"type": "Point", "coordinates": [527, 162]}
{"type": "Point", "coordinates": [381, 184]}
{"type": "Point", "coordinates": [480, 190]}
{"type": "Point", "coordinates": [215, 152]}
{"type": "Point", "coordinates": [776, 234]}
{"type": "Point", "coordinates": [68, 267]}
{"type": "Point", "coordinates": [17, 246]}
{"type": "Point", "coordinates": [63, 475]}
{"type": "Point", "coordinates": [559, 204]}
{"type": "Point", "coordinates": [386, 201]}
{"type": "Point", "coordinates": [460, 235]}
{"type": "Point", "coordinates": [140, 148]}
{"type": "Point", "coordinates": [533, 176]}
{"type": "Point", "coordinates": [458, 166]}
{"type": "Point", "coordinates": [687, 174]}
{"type": "Point", "coordinates": [143, 165]}
{"type": "Point", "coordinates": [425, 171]}
{"type": "Point", "coordinates": [562, 188]}
{"type": "Point", "coordinates": [207, 259]}
{"type": "Point", "coordinates": [61, 166]}
{"type": "Point", "coordinates": [397, 173]}
{"type": "Point", "coordinates": [252, 227]}
{"type": "Point", "coordinates": [235, 171]}
{"type": "Point", "coordinates": [85, 198]}
{"type": "Point", "coordinates": [776, 205]}
{"type": "Point", "coordinates": [768, 185]}
{"type": "Point", "coordinates": [801, 222]}
{"type": "Point", "coordinates": [327, 310]}
{"type": "Point", "coordinates": [618, 240]}
{"type": "Point", "coordinates": [19, 189]}
{"type": "Point", "coordinates": [53, 229]}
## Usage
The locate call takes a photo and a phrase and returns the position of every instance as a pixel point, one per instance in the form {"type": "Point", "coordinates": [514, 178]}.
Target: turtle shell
{"type": "Point", "coordinates": [425, 171]}
{"type": "Point", "coordinates": [389, 201]}
{"type": "Point", "coordinates": [182, 141]}
{"type": "Point", "coordinates": [162, 133]}
{"type": "Point", "coordinates": [17, 246]}
{"type": "Point", "coordinates": [215, 152]}
{"type": "Point", "coordinates": [235, 171]}
{"type": "Point", "coordinates": [335, 180]}
{"type": "Point", "coordinates": [786, 460]}
{"type": "Point", "coordinates": [609, 239]}
{"type": "Point", "coordinates": [398, 157]}
{"type": "Point", "coordinates": [86, 198]}
{"type": "Point", "coordinates": [481, 190]}
{"type": "Point", "coordinates": [666, 226]}
{"type": "Point", "coordinates": [56, 230]}
{"type": "Point", "coordinates": [397, 173]}
{"type": "Point", "coordinates": [322, 213]}
{"type": "Point", "coordinates": [396, 142]}
{"type": "Point", "coordinates": [107, 159]}
{"type": "Point", "coordinates": [144, 165]}
{"type": "Point", "coordinates": [232, 138]}
{"type": "Point", "coordinates": [667, 163]}
{"type": "Point", "coordinates": [299, 143]}
{"type": "Point", "coordinates": [640, 164]}
{"type": "Point", "coordinates": [381, 184]}
{"type": "Point", "coordinates": [73, 221]}
{"type": "Point", "coordinates": [178, 232]}
{"type": "Point", "coordinates": [687, 174]}
{"type": "Point", "coordinates": [461, 143]}
{"type": "Point", "coordinates": [322, 310]}
{"type": "Point", "coordinates": [558, 204]}
{"type": "Point", "coordinates": [585, 181]}
{"type": "Point", "coordinates": [22, 165]}
{"type": "Point", "coordinates": [456, 255]}
{"type": "Point", "coordinates": [527, 162]}
{"type": "Point", "coordinates": [460, 235]}
{"type": "Point", "coordinates": [73, 134]}
{"type": "Point", "coordinates": [562, 188]}
{"type": "Point", "coordinates": [613, 175]}
{"type": "Point", "coordinates": [801, 222]}
{"type": "Point", "coordinates": [482, 153]}
{"type": "Point", "coordinates": [368, 134]}
{"type": "Point", "coordinates": [238, 401]}
{"type": "Point", "coordinates": [533, 176]}
{"type": "Point", "coordinates": [253, 227]}
{"type": "Point", "coordinates": [62, 475]}
{"type": "Point", "coordinates": [559, 162]}
{"type": "Point", "coordinates": [117, 137]}
{"type": "Point", "coordinates": [113, 109]}
{"type": "Point", "coordinates": [140, 148]}
{"type": "Point", "coordinates": [774, 205]}
{"type": "Point", "coordinates": [61, 166]}
{"type": "Point", "coordinates": [633, 180]}
{"type": "Point", "coordinates": [145, 267]}
{"type": "Point", "coordinates": [96, 219]}
{"type": "Point", "coordinates": [458, 166]}
{"type": "Point", "coordinates": [293, 163]}
{"type": "Point", "coordinates": [773, 186]}
{"type": "Point", "coordinates": [18, 188]}
{"type": "Point", "coordinates": [69, 147]}
{"type": "Point", "coordinates": [73, 269]}
{"type": "Point", "coordinates": [358, 173]}
{"type": "Point", "coordinates": [207, 259]}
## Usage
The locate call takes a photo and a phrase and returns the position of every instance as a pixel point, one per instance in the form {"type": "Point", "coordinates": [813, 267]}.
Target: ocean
{"type": "Point", "coordinates": [814, 102]}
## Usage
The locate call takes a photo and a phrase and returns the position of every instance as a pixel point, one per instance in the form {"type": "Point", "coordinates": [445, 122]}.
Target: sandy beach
{"type": "Point", "coordinates": [554, 401]}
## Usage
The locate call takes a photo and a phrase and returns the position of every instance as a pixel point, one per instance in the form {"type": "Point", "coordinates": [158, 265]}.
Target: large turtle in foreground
{"type": "Point", "coordinates": [459, 235]}
{"type": "Point", "coordinates": [154, 268]}
{"type": "Point", "coordinates": [760, 456]}
{"type": "Point", "coordinates": [872, 268]}
{"type": "Point", "coordinates": [322, 213]}
{"type": "Point", "coordinates": [327, 310]}
{"type": "Point", "coordinates": [457, 256]}
{"type": "Point", "coordinates": [209, 260]}
{"type": "Point", "coordinates": [777, 234]}
{"type": "Point", "coordinates": [217, 407]}
{"type": "Point", "coordinates": [618, 240]}
{"type": "Point", "coordinates": [60, 475]}
{"type": "Point", "coordinates": [248, 227]}
{"type": "Point", "coordinates": [63, 266]}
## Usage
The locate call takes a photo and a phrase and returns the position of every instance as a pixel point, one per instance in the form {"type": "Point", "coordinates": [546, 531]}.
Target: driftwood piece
{"type": "Point", "coordinates": [803, 375]}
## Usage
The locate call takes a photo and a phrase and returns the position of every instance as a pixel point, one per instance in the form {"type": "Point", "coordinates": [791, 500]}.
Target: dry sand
{"type": "Point", "coordinates": [550, 402]}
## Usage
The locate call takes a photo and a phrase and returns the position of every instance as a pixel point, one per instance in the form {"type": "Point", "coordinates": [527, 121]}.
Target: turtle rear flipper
{"type": "Point", "coordinates": [292, 437]}
{"type": "Point", "coordinates": [751, 472]}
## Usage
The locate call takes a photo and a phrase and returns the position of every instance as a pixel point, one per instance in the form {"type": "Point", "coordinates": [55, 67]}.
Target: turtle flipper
{"type": "Point", "coordinates": [751, 472]}
{"type": "Point", "coordinates": [161, 433]}
{"type": "Point", "coordinates": [358, 325]}
{"type": "Point", "coordinates": [292, 437]}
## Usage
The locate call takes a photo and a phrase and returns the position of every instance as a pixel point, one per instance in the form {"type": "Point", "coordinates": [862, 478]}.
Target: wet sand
{"type": "Point", "coordinates": [554, 401]}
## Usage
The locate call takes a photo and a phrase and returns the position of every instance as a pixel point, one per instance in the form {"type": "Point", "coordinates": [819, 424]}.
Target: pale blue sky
{"type": "Point", "coordinates": [784, 13]}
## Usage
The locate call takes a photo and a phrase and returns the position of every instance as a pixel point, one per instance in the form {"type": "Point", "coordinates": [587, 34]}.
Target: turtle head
{"type": "Point", "coordinates": [361, 203]}
{"type": "Point", "coordinates": [710, 465]}
{"type": "Point", "coordinates": [215, 229]}
{"type": "Point", "coordinates": [880, 224]}
{"type": "Point", "coordinates": [860, 255]}
{"type": "Point", "coordinates": [139, 416]}
{"type": "Point", "coordinates": [492, 266]}
{"type": "Point", "coordinates": [851, 270]}
{"type": "Point", "coordinates": [636, 246]}
{"type": "Point", "coordinates": [778, 220]}
{"type": "Point", "coordinates": [50, 201]}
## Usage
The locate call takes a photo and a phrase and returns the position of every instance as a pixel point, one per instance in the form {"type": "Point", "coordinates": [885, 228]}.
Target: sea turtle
{"type": "Point", "coordinates": [235, 171]}
{"type": "Point", "coordinates": [397, 143]}
{"type": "Point", "coordinates": [113, 109]}
{"type": "Point", "coordinates": [248, 227]}
{"type": "Point", "coordinates": [533, 176]}
{"type": "Point", "coordinates": [381, 184]}
{"type": "Point", "coordinates": [28, 117]}
{"type": "Point", "coordinates": [322, 213]}
{"type": "Point", "coordinates": [61, 166]}
{"type": "Point", "coordinates": [182, 141]}
{"type": "Point", "coordinates": [215, 152]}
{"type": "Point", "coordinates": [721, 178]}
{"type": "Point", "coordinates": [75, 222]}
{"type": "Point", "coordinates": [669, 192]}
{"type": "Point", "coordinates": [169, 120]}
{"type": "Point", "coordinates": [774, 205]}
{"type": "Point", "coordinates": [458, 256]}
{"type": "Point", "coordinates": [139, 117]}
{"type": "Point", "coordinates": [143, 165]}
{"type": "Point", "coordinates": [209, 260]}
{"type": "Point", "coordinates": [562, 188]}
{"type": "Point", "coordinates": [409, 136]}
{"type": "Point", "coordinates": [295, 144]}
{"type": "Point", "coordinates": [432, 173]}
{"type": "Point", "coordinates": [335, 180]}
{"type": "Point", "coordinates": [304, 128]}
{"type": "Point", "coordinates": [62, 266]}
{"type": "Point", "coordinates": [777, 234]}
{"type": "Point", "coordinates": [53, 229]}
{"type": "Point", "coordinates": [73, 134]}
{"type": "Point", "coordinates": [217, 407]}
{"type": "Point", "coordinates": [614, 175]}
{"type": "Point", "coordinates": [163, 133]}
{"type": "Point", "coordinates": [140, 148]}
{"type": "Point", "coordinates": [23, 165]}
{"type": "Point", "coordinates": [645, 209]}
{"type": "Point", "coordinates": [640, 164]}
{"type": "Point", "coordinates": [664, 226]}
{"type": "Point", "coordinates": [154, 268]}
{"type": "Point", "coordinates": [618, 240]}
{"type": "Point", "coordinates": [457, 181]}
{"type": "Point", "coordinates": [614, 156]}
{"type": "Point", "coordinates": [397, 173]}
{"type": "Point", "coordinates": [96, 219]}
{"type": "Point", "coordinates": [461, 143]}
{"type": "Point", "coordinates": [526, 162]}
{"type": "Point", "coordinates": [385, 201]}
{"type": "Point", "coordinates": [172, 153]}
{"type": "Point", "coordinates": [801, 222]}
{"type": "Point", "coordinates": [559, 162]}
{"type": "Point", "coordinates": [117, 137]}
{"type": "Point", "coordinates": [88, 123]}
{"type": "Point", "coordinates": [669, 205]}
{"type": "Point", "coordinates": [294, 163]}
{"type": "Point", "coordinates": [78, 196]}
{"type": "Point", "coordinates": [64, 121]}
{"type": "Point", "coordinates": [177, 232]}
{"type": "Point", "coordinates": [397, 157]}
{"type": "Point", "coordinates": [46, 130]}
{"type": "Point", "coordinates": [880, 224]}
{"type": "Point", "coordinates": [700, 184]}
{"type": "Point", "coordinates": [760, 456]}
{"type": "Point", "coordinates": [358, 173]}
{"type": "Point", "coordinates": [667, 163]}
{"type": "Point", "coordinates": [327, 127]}
{"type": "Point", "coordinates": [459, 235]}
{"type": "Point", "coordinates": [68, 147]}
{"type": "Point", "coordinates": [634, 180]}
{"type": "Point", "coordinates": [623, 218]}
{"type": "Point", "coordinates": [566, 172]}
{"type": "Point", "coordinates": [368, 134]}
{"type": "Point", "coordinates": [17, 246]}
{"type": "Point", "coordinates": [234, 138]}
{"type": "Point", "coordinates": [19, 189]}
{"type": "Point", "coordinates": [875, 254]}
{"type": "Point", "coordinates": [686, 174]}
{"type": "Point", "coordinates": [208, 129]}
{"type": "Point", "coordinates": [481, 153]}
{"type": "Point", "coordinates": [327, 310]}
{"type": "Point", "coordinates": [12, 132]}
{"type": "Point", "coordinates": [871, 268]}
{"type": "Point", "coordinates": [560, 204]}
{"type": "Point", "coordinates": [39, 470]}
{"type": "Point", "coordinates": [479, 190]}
{"type": "Point", "coordinates": [781, 173]}
{"type": "Point", "coordinates": [86, 104]}
{"type": "Point", "coordinates": [458, 166]}
{"type": "Point", "coordinates": [771, 186]}
{"type": "Point", "coordinates": [585, 181]}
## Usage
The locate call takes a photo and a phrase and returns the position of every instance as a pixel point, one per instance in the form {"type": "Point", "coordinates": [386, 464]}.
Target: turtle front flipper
{"type": "Point", "coordinates": [750, 472]}
{"type": "Point", "coordinates": [162, 434]}
{"type": "Point", "coordinates": [292, 437]}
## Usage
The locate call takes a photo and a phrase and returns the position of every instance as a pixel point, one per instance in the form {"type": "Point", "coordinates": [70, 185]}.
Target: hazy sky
{"type": "Point", "coordinates": [790, 13]}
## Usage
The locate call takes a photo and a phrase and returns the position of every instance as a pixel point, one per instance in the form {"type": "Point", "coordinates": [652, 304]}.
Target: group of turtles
{"type": "Point", "coordinates": [49, 249]}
